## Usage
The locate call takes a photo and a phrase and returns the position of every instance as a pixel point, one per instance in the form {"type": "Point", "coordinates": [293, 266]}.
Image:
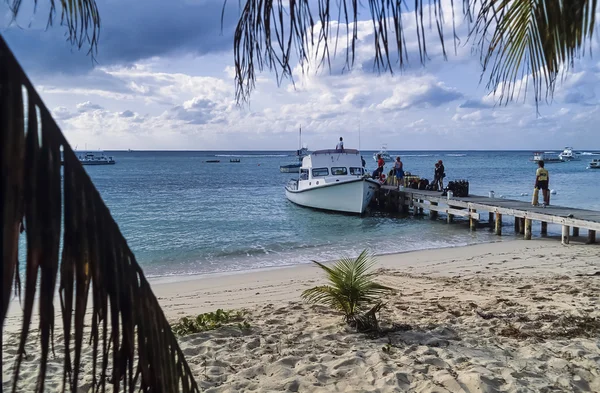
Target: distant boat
{"type": "Point", "coordinates": [300, 153]}
{"type": "Point", "coordinates": [594, 164]}
{"type": "Point", "coordinates": [234, 160]}
{"type": "Point", "coordinates": [129, 150]}
{"type": "Point", "coordinates": [548, 156]}
{"type": "Point", "coordinates": [384, 155]}
{"type": "Point", "coordinates": [569, 155]}
{"type": "Point", "coordinates": [93, 157]}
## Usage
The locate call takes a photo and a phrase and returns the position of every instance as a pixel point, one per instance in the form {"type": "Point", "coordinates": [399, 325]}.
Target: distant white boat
{"type": "Point", "coordinates": [594, 164]}
{"type": "Point", "coordinates": [548, 156]}
{"type": "Point", "coordinates": [384, 155]}
{"type": "Point", "coordinates": [569, 155]}
{"type": "Point", "coordinates": [94, 157]}
{"type": "Point", "coordinates": [333, 180]}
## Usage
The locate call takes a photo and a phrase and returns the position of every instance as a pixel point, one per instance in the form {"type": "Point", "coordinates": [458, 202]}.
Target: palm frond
{"type": "Point", "coordinates": [537, 38]}
{"type": "Point", "coordinates": [80, 17]}
{"type": "Point", "coordinates": [517, 39]}
{"type": "Point", "coordinates": [351, 287]}
{"type": "Point", "coordinates": [129, 331]}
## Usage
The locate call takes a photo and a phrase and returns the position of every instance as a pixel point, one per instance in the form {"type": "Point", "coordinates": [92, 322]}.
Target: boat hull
{"type": "Point", "coordinates": [348, 197]}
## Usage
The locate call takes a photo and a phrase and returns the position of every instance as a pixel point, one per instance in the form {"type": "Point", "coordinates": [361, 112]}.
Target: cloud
{"type": "Point", "coordinates": [131, 31]}
{"type": "Point", "coordinates": [159, 94]}
{"type": "Point", "coordinates": [88, 106]}
{"type": "Point", "coordinates": [423, 92]}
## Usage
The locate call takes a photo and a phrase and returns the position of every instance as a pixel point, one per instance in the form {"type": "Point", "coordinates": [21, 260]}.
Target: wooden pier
{"type": "Point", "coordinates": [473, 206]}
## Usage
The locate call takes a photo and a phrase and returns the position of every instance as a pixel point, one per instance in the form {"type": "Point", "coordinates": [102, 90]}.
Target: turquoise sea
{"type": "Point", "coordinates": [182, 215]}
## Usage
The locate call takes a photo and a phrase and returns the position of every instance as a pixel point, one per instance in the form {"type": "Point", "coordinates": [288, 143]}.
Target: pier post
{"type": "Point", "coordinates": [527, 229]}
{"type": "Point", "coordinates": [575, 231]}
{"type": "Point", "coordinates": [517, 225]}
{"type": "Point", "coordinates": [472, 220]}
{"type": "Point", "coordinates": [450, 218]}
{"type": "Point", "coordinates": [591, 236]}
{"type": "Point", "coordinates": [522, 225]}
{"type": "Point", "coordinates": [433, 214]}
{"type": "Point", "coordinates": [544, 228]}
{"type": "Point", "coordinates": [565, 234]}
{"type": "Point", "coordinates": [491, 220]}
{"type": "Point", "coordinates": [421, 209]}
{"type": "Point", "coordinates": [498, 226]}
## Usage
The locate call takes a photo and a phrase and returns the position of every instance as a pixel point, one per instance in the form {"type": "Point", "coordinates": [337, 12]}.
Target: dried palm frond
{"type": "Point", "coordinates": [128, 331]}
{"type": "Point", "coordinates": [516, 38]}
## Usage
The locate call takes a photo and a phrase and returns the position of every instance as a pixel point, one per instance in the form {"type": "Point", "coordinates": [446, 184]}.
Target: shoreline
{"type": "Point", "coordinates": [176, 278]}
{"type": "Point", "coordinates": [280, 285]}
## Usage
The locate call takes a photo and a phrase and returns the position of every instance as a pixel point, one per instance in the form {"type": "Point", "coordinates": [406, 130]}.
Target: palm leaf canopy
{"type": "Point", "coordinates": [351, 287]}
{"type": "Point", "coordinates": [516, 39]}
{"type": "Point", "coordinates": [130, 338]}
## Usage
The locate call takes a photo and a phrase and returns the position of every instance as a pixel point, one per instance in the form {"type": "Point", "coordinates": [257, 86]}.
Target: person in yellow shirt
{"type": "Point", "coordinates": [542, 179]}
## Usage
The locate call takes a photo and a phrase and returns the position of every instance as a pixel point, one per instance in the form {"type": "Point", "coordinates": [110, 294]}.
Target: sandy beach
{"type": "Point", "coordinates": [513, 316]}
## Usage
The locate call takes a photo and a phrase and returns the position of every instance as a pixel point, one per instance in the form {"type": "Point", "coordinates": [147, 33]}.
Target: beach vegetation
{"type": "Point", "coordinates": [351, 290]}
{"type": "Point", "coordinates": [210, 321]}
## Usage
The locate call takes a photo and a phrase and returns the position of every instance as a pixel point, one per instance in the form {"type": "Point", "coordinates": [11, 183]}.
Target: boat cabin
{"type": "Point", "coordinates": [331, 164]}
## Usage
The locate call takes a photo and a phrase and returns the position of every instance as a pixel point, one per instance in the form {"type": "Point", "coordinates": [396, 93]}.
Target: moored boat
{"type": "Point", "coordinates": [300, 154]}
{"type": "Point", "coordinates": [547, 157]}
{"type": "Point", "coordinates": [94, 157]}
{"type": "Point", "coordinates": [594, 164]}
{"type": "Point", "coordinates": [333, 180]}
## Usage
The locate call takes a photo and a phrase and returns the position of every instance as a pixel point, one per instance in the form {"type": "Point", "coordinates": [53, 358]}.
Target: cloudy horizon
{"type": "Point", "coordinates": [164, 81]}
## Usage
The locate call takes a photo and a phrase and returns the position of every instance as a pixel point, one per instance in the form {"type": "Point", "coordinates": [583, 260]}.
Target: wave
{"type": "Point", "coordinates": [455, 155]}
{"type": "Point", "coordinates": [587, 153]}
{"type": "Point", "coordinates": [252, 155]}
{"type": "Point", "coordinates": [417, 155]}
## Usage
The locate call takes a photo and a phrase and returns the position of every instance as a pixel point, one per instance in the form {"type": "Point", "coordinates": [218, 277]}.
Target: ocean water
{"type": "Point", "coordinates": [182, 215]}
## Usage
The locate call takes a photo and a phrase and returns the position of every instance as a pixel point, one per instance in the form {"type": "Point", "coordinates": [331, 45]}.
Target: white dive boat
{"type": "Point", "coordinates": [333, 180]}
{"type": "Point", "coordinates": [94, 157]}
{"type": "Point", "coordinates": [569, 155]}
{"type": "Point", "coordinates": [548, 156]}
{"type": "Point", "coordinates": [594, 164]}
{"type": "Point", "coordinates": [384, 154]}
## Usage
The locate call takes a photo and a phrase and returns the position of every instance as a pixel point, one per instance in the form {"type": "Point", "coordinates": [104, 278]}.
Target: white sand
{"type": "Point", "coordinates": [460, 303]}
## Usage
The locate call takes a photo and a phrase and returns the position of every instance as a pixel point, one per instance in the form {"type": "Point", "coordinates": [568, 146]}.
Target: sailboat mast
{"type": "Point", "coordinates": [300, 140]}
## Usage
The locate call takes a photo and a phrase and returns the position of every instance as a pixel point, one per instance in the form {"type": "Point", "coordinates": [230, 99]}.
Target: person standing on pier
{"type": "Point", "coordinates": [340, 145]}
{"type": "Point", "coordinates": [399, 172]}
{"type": "Point", "coordinates": [379, 171]}
{"type": "Point", "coordinates": [542, 180]}
{"type": "Point", "coordinates": [442, 174]}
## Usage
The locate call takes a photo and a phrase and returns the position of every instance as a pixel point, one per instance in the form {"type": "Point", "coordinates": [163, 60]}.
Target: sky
{"type": "Point", "coordinates": [164, 80]}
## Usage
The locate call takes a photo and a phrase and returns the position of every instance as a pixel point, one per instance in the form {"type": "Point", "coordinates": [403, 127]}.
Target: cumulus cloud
{"type": "Point", "coordinates": [88, 106]}
{"type": "Point", "coordinates": [131, 31]}
{"type": "Point", "coordinates": [424, 92]}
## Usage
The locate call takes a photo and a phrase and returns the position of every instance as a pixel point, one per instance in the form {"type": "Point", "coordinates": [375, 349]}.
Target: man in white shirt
{"type": "Point", "coordinates": [340, 145]}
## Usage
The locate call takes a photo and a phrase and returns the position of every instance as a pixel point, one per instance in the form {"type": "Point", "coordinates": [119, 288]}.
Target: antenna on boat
{"type": "Point", "coordinates": [300, 143]}
{"type": "Point", "coordinates": [359, 135]}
